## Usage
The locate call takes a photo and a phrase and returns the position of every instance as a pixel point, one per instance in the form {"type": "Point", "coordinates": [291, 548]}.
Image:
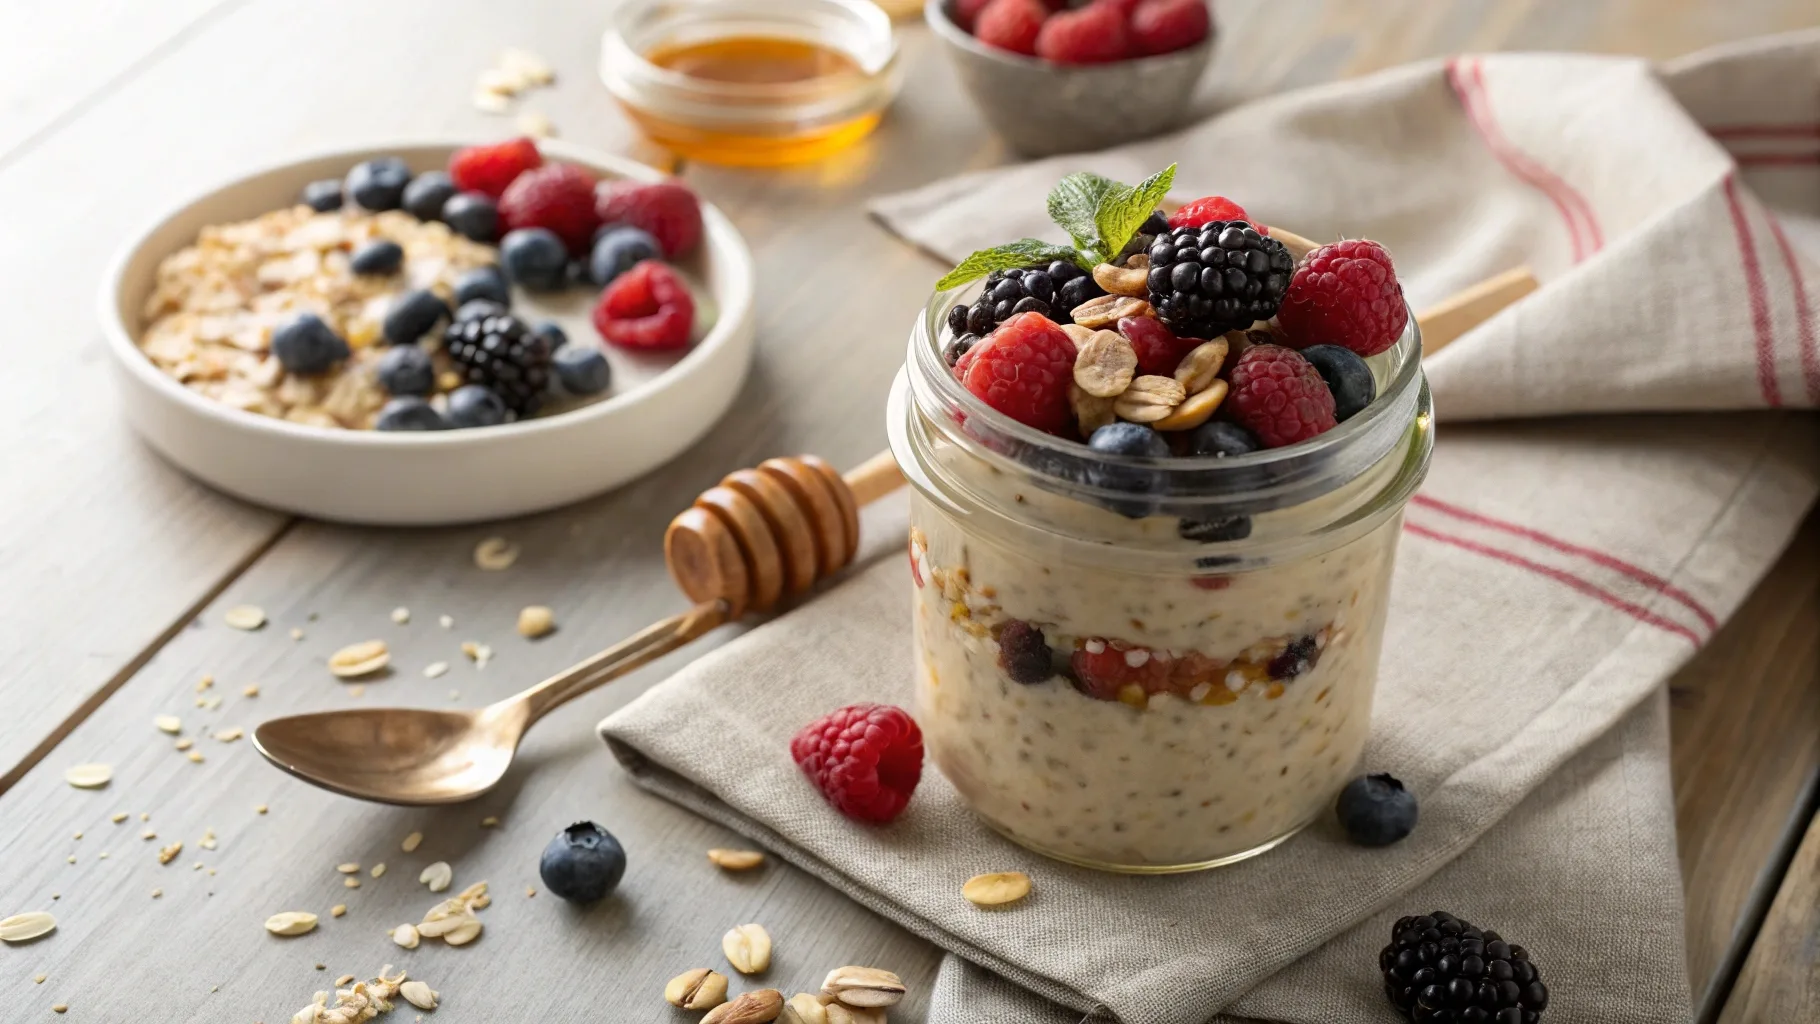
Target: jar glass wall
{"type": "Point", "coordinates": [1105, 686]}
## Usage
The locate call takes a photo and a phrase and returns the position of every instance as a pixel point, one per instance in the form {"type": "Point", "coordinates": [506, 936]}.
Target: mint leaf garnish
{"type": "Point", "coordinates": [1074, 204]}
{"type": "Point", "coordinates": [1124, 209]}
{"type": "Point", "coordinates": [1025, 252]}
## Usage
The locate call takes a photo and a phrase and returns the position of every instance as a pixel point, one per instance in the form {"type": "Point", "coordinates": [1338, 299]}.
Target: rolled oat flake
{"type": "Point", "coordinates": [27, 926]}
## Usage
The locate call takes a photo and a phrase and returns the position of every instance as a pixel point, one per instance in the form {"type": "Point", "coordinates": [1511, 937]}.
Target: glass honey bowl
{"type": "Point", "coordinates": [752, 83]}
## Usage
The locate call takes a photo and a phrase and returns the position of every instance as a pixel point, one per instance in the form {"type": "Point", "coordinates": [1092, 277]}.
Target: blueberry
{"type": "Point", "coordinates": [380, 256]}
{"type": "Point", "coordinates": [1063, 271]}
{"type": "Point", "coordinates": [473, 214]}
{"type": "Point", "coordinates": [1155, 224]}
{"type": "Point", "coordinates": [535, 258]}
{"type": "Point", "coordinates": [960, 346]}
{"type": "Point", "coordinates": [552, 332]}
{"type": "Point", "coordinates": [475, 309]}
{"type": "Point", "coordinates": [472, 405]}
{"type": "Point", "coordinates": [1077, 291]}
{"type": "Point", "coordinates": [1347, 377]}
{"type": "Point", "coordinates": [1376, 810]}
{"type": "Point", "coordinates": [1030, 305]}
{"type": "Point", "coordinates": [1039, 285]}
{"type": "Point", "coordinates": [413, 315]}
{"type": "Point", "coordinates": [1221, 439]}
{"type": "Point", "coordinates": [378, 184]}
{"type": "Point", "coordinates": [957, 321]}
{"type": "Point", "coordinates": [980, 319]}
{"type": "Point", "coordinates": [583, 371]}
{"type": "Point", "coordinates": [583, 863]}
{"type": "Point", "coordinates": [1132, 439]}
{"type": "Point", "coordinates": [618, 250]}
{"type": "Point", "coordinates": [409, 413]}
{"type": "Point", "coordinates": [482, 283]}
{"type": "Point", "coordinates": [306, 346]}
{"type": "Point", "coordinates": [1024, 654]}
{"type": "Point", "coordinates": [426, 194]}
{"type": "Point", "coordinates": [406, 370]}
{"type": "Point", "coordinates": [322, 196]}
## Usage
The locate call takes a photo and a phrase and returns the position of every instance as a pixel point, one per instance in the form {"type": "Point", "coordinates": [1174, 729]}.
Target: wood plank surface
{"type": "Point", "coordinates": [1745, 732]}
{"type": "Point", "coordinates": [1781, 978]}
{"type": "Point", "coordinates": [112, 562]}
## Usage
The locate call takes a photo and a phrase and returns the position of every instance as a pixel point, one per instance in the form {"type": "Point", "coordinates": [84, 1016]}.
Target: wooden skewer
{"type": "Point", "coordinates": [768, 534]}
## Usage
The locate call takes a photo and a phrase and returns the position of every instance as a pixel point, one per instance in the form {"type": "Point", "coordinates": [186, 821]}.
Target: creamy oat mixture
{"type": "Point", "coordinates": [211, 314]}
{"type": "Point", "coordinates": [1247, 702]}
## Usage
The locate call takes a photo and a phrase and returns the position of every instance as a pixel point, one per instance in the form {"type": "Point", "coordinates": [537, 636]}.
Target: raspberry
{"type": "Point", "coordinates": [1011, 25]}
{"type": "Point", "coordinates": [1158, 350]}
{"type": "Point", "coordinates": [967, 12]}
{"type": "Point", "coordinates": [1103, 673]}
{"type": "Point", "coordinates": [866, 759]}
{"type": "Point", "coordinates": [1345, 294]}
{"type": "Point", "coordinates": [1163, 26]}
{"type": "Point", "coordinates": [559, 197]}
{"type": "Point", "coordinates": [666, 209]}
{"type": "Point", "coordinates": [1094, 34]}
{"type": "Point", "coordinates": [490, 169]}
{"type": "Point", "coordinates": [1208, 210]}
{"type": "Point", "coordinates": [647, 307]}
{"type": "Point", "coordinates": [1279, 396]}
{"type": "Point", "coordinates": [1124, 7]}
{"type": "Point", "coordinates": [1023, 370]}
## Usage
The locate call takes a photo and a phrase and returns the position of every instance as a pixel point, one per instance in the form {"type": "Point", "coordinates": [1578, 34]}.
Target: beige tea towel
{"type": "Point", "coordinates": [1554, 570]}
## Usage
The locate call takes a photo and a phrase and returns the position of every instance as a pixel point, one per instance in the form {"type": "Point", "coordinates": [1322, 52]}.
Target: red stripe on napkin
{"type": "Point", "coordinates": [1765, 131]}
{"type": "Point", "coordinates": [1612, 562]}
{"type": "Point", "coordinates": [1804, 313]}
{"type": "Point", "coordinates": [1635, 611]}
{"type": "Point", "coordinates": [1759, 295]}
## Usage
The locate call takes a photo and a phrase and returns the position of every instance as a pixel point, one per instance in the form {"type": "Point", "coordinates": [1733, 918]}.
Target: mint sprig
{"type": "Point", "coordinates": [1074, 205]}
{"type": "Point", "coordinates": [1024, 252]}
{"type": "Point", "coordinates": [1122, 211]}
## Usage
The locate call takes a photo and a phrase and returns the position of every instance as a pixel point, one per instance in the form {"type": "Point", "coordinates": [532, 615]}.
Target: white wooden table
{"type": "Point", "coordinates": [116, 568]}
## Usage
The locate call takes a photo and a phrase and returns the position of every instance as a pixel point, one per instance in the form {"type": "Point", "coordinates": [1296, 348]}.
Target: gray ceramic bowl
{"type": "Point", "coordinates": [1042, 109]}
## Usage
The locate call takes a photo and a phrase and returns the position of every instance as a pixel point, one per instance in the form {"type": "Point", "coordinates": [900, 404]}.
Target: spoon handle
{"type": "Point", "coordinates": [642, 647]}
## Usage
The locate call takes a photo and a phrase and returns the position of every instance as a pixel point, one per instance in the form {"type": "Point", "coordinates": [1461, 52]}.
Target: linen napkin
{"type": "Point", "coordinates": [1553, 572]}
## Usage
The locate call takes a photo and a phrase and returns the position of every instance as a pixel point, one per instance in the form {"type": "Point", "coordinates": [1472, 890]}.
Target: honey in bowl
{"type": "Point", "coordinates": [754, 60]}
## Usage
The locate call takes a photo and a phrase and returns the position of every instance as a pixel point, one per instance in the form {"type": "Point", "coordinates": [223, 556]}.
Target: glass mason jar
{"type": "Point", "coordinates": [1148, 665]}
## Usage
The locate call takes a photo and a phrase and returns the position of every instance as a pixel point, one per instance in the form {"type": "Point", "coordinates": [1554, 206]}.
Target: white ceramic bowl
{"type": "Point", "coordinates": [656, 411]}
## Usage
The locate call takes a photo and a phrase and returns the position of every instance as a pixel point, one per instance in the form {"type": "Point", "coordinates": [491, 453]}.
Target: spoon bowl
{"type": "Point", "coordinates": [398, 755]}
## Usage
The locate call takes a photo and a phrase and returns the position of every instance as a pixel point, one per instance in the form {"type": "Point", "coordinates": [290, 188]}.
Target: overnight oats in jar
{"type": "Point", "coordinates": [1158, 483]}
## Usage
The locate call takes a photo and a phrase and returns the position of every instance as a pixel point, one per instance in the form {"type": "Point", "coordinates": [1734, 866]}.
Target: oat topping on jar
{"type": "Point", "coordinates": [1153, 523]}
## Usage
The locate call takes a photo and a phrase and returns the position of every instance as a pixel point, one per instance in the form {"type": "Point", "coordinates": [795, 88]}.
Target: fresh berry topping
{"type": "Point", "coordinates": [489, 169]}
{"type": "Point", "coordinates": [583, 863]}
{"type": "Point", "coordinates": [866, 759]}
{"type": "Point", "coordinates": [1375, 810]}
{"type": "Point", "coordinates": [482, 283]}
{"type": "Point", "coordinates": [501, 353]}
{"type": "Point", "coordinates": [1278, 395]}
{"type": "Point", "coordinates": [1164, 26]}
{"type": "Point", "coordinates": [1023, 370]}
{"type": "Point", "coordinates": [1095, 34]}
{"type": "Point", "coordinates": [1011, 25]}
{"type": "Point", "coordinates": [472, 215]}
{"type": "Point", "coordinates": [1158, 349]}
{"type": "Point", "coordinates": [1347, 377]}
{"type": "Point", "coordinates": [425, 195]}
{"type": "Point", "coordinates": [1215, 277]}
{"type": "Point", "coordinates": [406, 370]}
{"type": "Point", "coordinates": [412, 315]}
{"type": "Point", "coordinates": [1441, 969]}
{"type": "Point", "coordinates": [647, 307]}
{"type": "Point", "coordinates": [1207, 210]}
{"type": "Point", "coordinates": [1345, 294]}
{"type": "Point", "coordinates": [967, 12]}
{"type": "Point", "coordinates": [380, 256]}
{"type": "Point", "coordinates": [553, 333]}
{"type": "Point", "coordinates": [409, 413]}
{"type": "Point", "coordinates": [954, 350]}
{"type": "Point", "coordinates": [666, 209]}
{"type": "Point", "coordinates": [1298, 656]}
{"type": "Point", "coordinates": [472, 405]}
{"type": "Point", "coordinates": [535, 258]}
{"type": "Point", "coordinates": [307, 346]}
{"type": "Point", "coordinates": [1131, 439]}
{"type": "Point", "coordinates": [618, 249]}
{"type": "Point", "coordinates": [1104, 668]}
{"type": "Point", "coordinates": [582, 371]}
{"type": "Point", "coordinates": [559, 197]}
{"type": "Point", "coordinates": [1221, 440]}
{"type": "Point", "coordinates": [322, 196]}
{"type": "Point", "coordinates": [378, 184]}
{"type": "Point", "coordinates": [1007, 293]}
{"type": "Point", "coordinates": [474, 309]}
{"type": "Point", "coordinates": [1024, 654]}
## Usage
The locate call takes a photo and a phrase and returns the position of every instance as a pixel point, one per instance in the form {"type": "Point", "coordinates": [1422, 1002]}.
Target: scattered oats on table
{"type": "Point", "coordinates": [250, 690]}
{"type": "Point", "coordinates": [536, 620]}
{"type": "Point", "coordinates": [446, 621]}
{"type": "Point", "coordinates": [243, 616]}
{"type": "Point", "coordinates": [410, 842]}
{"type": "Point", "coordinates": [88, 776]}
{"type": "Point", "coordinates": [260, 808]}
{"type": "Point", "coordinates": [401, 615]}
{"type": "Point", "coordinates": [495, 554]}
{"type": "Point", "coordinates": [168, 724]}
{"type": "Point", "coordinates": [489, 822]}
{"type": "Point", "coordinates": [230, 735]}
{"type": "Point", "coordinates": [435, 669]}
{"type": "Point", "coordinates": [338, 909]}
{"type": "Point", "coordinates": [378, 869]}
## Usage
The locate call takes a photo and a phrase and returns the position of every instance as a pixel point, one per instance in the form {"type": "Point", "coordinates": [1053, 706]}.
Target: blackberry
{"type": "Point", "coordinates": [1052, 291]}
{"type": "Point", "coordinates": [1441, 969]}
{"type": "Point", "coordinates": [500, 353]}
{"type": "Point", "coordinates": [1220, 276]}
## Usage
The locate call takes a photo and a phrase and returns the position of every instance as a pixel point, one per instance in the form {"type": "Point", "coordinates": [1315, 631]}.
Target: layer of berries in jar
{"type": "Point", "coordinates": [1153, 527]}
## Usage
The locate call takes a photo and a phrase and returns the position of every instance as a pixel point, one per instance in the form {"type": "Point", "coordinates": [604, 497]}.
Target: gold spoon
{"type": "Point", "coordinates": [761, 536]}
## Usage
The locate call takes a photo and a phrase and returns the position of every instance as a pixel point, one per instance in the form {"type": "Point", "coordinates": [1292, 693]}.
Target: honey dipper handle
{"type": "Point", "coordinates": [874, 478]}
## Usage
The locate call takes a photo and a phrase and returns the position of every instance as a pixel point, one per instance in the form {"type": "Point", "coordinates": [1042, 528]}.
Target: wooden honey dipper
{"type": "Point", "coordinates": [757, 538]}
